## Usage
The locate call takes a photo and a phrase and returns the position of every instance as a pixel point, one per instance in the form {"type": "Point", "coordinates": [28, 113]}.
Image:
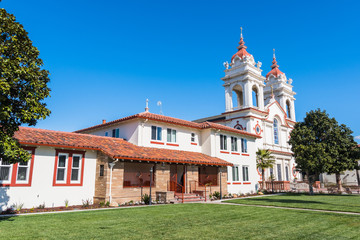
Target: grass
{"type": "Point", "coordinates": [345, 203]}
{"type": "Point", "coordinates": [183, 221]}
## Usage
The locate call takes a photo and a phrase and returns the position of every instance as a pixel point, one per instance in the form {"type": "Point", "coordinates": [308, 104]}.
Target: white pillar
{"type": "Point", "coordinates": [228, 99]}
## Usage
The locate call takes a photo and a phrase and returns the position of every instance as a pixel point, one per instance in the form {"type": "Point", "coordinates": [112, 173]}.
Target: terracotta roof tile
{"type": "Point", "coordinates": [113, 147]}
{"type": "Point", "coordinates": [177, 121]}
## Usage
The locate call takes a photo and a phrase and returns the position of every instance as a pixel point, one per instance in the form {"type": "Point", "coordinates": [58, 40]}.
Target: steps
{"type": "Point", "coordinates": [188, 197]}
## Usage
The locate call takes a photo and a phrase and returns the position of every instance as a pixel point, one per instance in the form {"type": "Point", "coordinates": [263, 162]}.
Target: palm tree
{"type": "Point", "coordinates": [264, 160]}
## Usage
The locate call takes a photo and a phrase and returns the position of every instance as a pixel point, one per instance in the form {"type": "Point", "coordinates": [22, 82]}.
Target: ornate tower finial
{"type": "Point", "coordinates": [147, 105]}
{"type": "Point", "coordinates": [274, 53]}
{"type": "Point", "coordinates": [241, 36]}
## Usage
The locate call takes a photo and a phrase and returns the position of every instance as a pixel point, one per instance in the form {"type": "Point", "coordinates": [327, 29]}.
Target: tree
{"type": "Point", "coordinates": [308, 144]}
{"type": "Point", "coordinates": [23, 86]}
{"type": "Point", "coordinates": [342, 150]}
{"type": "Point", "coordinates": [264, 160]}
{"type": "Point", "coordinates": [321, 145]}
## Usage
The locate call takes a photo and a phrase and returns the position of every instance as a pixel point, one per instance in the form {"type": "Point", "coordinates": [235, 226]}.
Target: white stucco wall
{"type": "Point", "coordinates": [42, 189]}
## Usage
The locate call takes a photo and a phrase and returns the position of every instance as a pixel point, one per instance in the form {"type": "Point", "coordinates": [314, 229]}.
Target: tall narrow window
{"type": "Point", "coordinates": [61, 168]}
{"type": "Point", "coordinates": [276, 131]}
{"type": "Point", "coordinates": [223, 140]}
{"type": "Point", "coordinates": [234, 145]}
{"type": "Point", "coordinates": [116, 133]}
{"type": "Point", "coordinates": [102, 169]}
{"type": "Point", "coordinates": [288, 112]}
{"type": "Point", "coordinates": [235, 173]}
{"type": "Point", "coordinates": [287, 173]}
{"type": "Point", "coordinates": [156, 133]}
{"type": "Point", "coordinates": [106, 134]}
{"type": "Point", "coordinates": [4, 171]}
{"type": "Point", "coordinates": [171, 135]}
{"type": "Point", "coordinates": [279, 172]}
{"type": "Point", "coordinates": [75, 170]}
{"type": "Point", "coordinates": [245, 173]}
{"type": "Point", "coordinates": [244, 145]}
{"type": "Point", "coordinates": [255, 96]}
{"type": "Point", "coordinates": [192, 137]}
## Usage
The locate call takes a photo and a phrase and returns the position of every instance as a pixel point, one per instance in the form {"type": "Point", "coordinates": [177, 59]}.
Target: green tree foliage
{"type": "Point", "coordinates": [264, 160]}
{"type": "Point", "coordinates": [23, 86]}
{"type": "Point", "coordinates": [321, 145]}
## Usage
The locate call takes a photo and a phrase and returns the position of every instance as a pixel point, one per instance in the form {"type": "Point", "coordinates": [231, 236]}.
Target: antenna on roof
{"type": "Point", "coordinates": [147, 105]}
{"type": "Point", "coordinates": [159, 103]}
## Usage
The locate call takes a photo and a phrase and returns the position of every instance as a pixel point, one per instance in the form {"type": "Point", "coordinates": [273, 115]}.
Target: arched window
{"type": "Point", "coordinates": [288, 112]}
{"type": "Point", "coordinates": [255, 96]}
{"type": "Point", "coordinates": [276, 131]}
{"type": "Point", "coordinates": [237, 97]}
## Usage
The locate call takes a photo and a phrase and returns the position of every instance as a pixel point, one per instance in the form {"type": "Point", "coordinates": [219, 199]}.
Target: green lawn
{"type": "Point", "coordinates": [184, 221]}
{"type": "Point", "coordinates": [346, 203]}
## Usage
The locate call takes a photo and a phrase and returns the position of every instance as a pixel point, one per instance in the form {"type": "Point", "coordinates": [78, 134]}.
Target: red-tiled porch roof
{"type": "Point", "coordinates": [177, 121]}
{"type": "Point", "coordinates": [113, 147]}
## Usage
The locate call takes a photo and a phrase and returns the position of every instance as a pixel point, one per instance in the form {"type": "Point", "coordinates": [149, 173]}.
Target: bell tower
{"type": "Point", "coordinates": [243, 81]}
{"type": "Point", "coordinates": [278, 85]}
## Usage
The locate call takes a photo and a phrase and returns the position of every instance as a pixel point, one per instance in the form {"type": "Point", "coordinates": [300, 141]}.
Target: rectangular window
{"type": "Point", "coordinates": [287, 173]}
{"type": "Point", "coordinates": [192, 137]}
{"type": "Point", "coordinates": [171, 135]}
{"type": "Point", "coordinates": [245, 173]}
{"type": "Point", "coordinates": [235, 173]}
{"type": "Point", "coordinates": [69, 168]}
{"type": "Point", "coordinates": [223, 140]}
{"type": "Point", "coordinates": [234, 145]}
{"type": "Point", "coordinates": [138, 174]}
{"type": "Point", "coordinates": [102, 169]}
{"type": "Point", "coordinates": [156, 133]}
{"type": "Point", "coordinates": [61, 168]}
{"type": "Point", "coordinates": [244, 145]}
{"type": "Point", "coordinates": [5, 168]}
{"type": "Point", "coordinates": [23, 171]}
{"type": "Point", "coordinates": [76, 167]}
{"type": "Point", "coordinates": [106, 134]}
{"type": "Point", "coordinates": [208, 175]}
{"type": "Point", "coordinates": [279, 172]}
{"type": "Point", "coordinates": [116, 133]}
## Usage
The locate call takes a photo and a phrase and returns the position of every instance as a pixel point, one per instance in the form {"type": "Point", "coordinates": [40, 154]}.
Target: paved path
{"type": "Point", "coordinates": [289, 208]}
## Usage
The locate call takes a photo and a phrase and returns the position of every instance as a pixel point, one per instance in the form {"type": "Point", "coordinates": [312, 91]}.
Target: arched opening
{"type": "Point", "coordinates": [237, 97]}
{"type": "Point", "coordinates": [276, 131]}
{"type": "Point", "coordinates": [255, 94]}
{"type": "Point", "coordinates": [288, 109]}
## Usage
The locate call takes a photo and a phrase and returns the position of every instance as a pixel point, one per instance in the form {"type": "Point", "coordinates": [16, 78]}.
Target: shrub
{"type": "Point", "coordinates": [86, 203]}
{"type": "Point", "coordinates": [145, 198]}
{"type": "Point", "coordinates": [216, 195]}
{"type": "Point", "coordinates": [41, 206]}
{"type": "Point", "coordinates": [9, 210]}
{"type": "Point", "coordinates": [107, 204]}
{"type": "Point", "coordinates": [66, 203]}
{"type": "Point", "coordinates": [18, 206]}
{"type": "Point", "coordinates": [102, 204]}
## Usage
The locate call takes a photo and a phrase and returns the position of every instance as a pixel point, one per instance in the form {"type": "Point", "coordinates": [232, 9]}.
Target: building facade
{"type": "Point", "coordinates": [118, 161]}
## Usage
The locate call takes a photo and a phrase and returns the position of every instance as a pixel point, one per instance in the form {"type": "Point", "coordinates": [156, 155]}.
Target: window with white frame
{"type": "Point", "coordinates": [244, 145]}
{"type": "Point", "coordinates": [23, 171]}
{"type": "Point", "coordinates": [156, 133]}
{"type": "Point", "coordinates": [276, 131]}
{"type": "Point", "coordinates": [192, 137]}
{"type": "Point", "coordinates": [223, 144]}
{"type": "Point", "coordinates": [61, 167]}
{"type": "Point", "coordinates": [235, 173]}
{"type": "Point", "coordinates": [287, 173]}
{"type": "Point", "coordinates": [171, 135]}
{"type": "Point", "coordinates": [5, 171]}
{"type": "Point", "coordinates": [245, 170]}
{"type": "Point", "coordinates": [75, 168]}
{"type": "Point", "coordinates": [234, 144]}
{"type": "Point", "coordinates": [279, 172]}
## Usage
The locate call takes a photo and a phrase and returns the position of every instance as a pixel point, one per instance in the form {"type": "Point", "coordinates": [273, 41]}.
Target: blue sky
{"type": "Point", "coordinates": [106, 57]}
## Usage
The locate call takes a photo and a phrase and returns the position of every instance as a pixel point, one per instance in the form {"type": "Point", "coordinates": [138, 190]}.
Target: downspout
{"type": "Point", "coordinates": [111, 165]}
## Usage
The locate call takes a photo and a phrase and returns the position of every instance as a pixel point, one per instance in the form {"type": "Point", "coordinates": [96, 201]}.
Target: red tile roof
{"type": "Point", "coordinates": [275, 71]}
{"type": "Point", "coordinates": [177, 121]}
{"type": "Point", "coordinates": [113, 147]}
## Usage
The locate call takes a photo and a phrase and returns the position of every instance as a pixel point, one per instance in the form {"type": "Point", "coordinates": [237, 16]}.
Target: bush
{"type": "Point", "coordinates": [9, 210]}
{"type": "Point", "coordinates": [145, 198]}
{"type": "Point", "coordinates": [41, 206]}
{"type": "Point", "coordinates": [107, 204]}
{"type": "Point", "coordinates": [102, 204]}
{"type": "Point", "coordinates": [18, 206]}
{"type": "Point", "coordinates": [216, 195]}
{"type": "Point", "coordinates": [86, 203]}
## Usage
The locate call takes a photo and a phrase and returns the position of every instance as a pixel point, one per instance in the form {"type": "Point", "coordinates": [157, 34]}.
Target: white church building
{"type": "Point", "coordinates": [118, 161]}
